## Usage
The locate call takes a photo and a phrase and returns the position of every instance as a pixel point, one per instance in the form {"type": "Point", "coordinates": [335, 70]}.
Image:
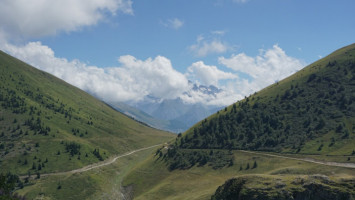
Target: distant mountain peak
{"type": "Point", "coordinates": [210, 90]}
{"type": "Point", "coordinates": [171, 114]}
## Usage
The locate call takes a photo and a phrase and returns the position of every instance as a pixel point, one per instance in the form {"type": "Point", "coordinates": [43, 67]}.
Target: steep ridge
{"type": "Point", "coordinates": [47, 125]}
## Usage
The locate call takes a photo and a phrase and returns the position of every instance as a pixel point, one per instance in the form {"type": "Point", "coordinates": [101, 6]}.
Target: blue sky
{"type": "Point", "coordinates": [304, 29]}
{"type": "Point", "coordinates": [229, 43]}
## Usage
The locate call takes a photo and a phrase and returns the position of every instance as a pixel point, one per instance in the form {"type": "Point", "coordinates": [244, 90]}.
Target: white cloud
{"type": "Point", "coordinates": [200, 38]}
{"type": "Point", "coordinates": [269, 66]}
{"type": "Point", "coordinates": [240, 1]}
{"type": "Point", "coordinates": [133, 80]}
{"type": "Point", "coordinates": [226, 97]}
{"type": "Point", "coordinates": [218, 32]}
{"type": "Point", "coordinates": [208, 75]}
{"type": "Point", "coordinates": [173, 23]}
{"type": "Point", "coordinates": [155, 77]}
{"type": "Point", "coordinates": [204, 47]}
{"type": "Point", "coordinates": [37, 18]}
{"type": "Point", "coordinates": [250, 75]}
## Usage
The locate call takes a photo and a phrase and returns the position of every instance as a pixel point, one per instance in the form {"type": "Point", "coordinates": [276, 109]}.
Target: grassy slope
{"type": "Point", "coordinates": [152, 179]}
{"type": "Point", "coordinates": [100, 183]}
{"type": "Point", "coordinates": [59, 114]}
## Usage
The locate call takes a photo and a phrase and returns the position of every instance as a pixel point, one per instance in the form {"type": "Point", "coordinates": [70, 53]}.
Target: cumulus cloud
{"type": "Point", "coordinates": [218, 32]}
{"type": "Point", "coordinates": [205, 47]}
{"type": "Point", "coordinates": [37, 18]}
{"type": "Point", "coordinates": [208, 75]}
{"type": "Point", "coordinates": [240, 1]}
{"type": "Point", "coordinates": [269, 66]}
{"type": "Point", "coordinates": [223, 98]}
{"type": "Point", "coordinates": [155, 77]}
{"type": "Point", "coordinates": [250, 74]}
{"type": "Point", "coordinates": [131, 81]}
{"type": "Point", "coordinates": [173, 23]}
{"type": "Point", "coordinates": [134, 79]}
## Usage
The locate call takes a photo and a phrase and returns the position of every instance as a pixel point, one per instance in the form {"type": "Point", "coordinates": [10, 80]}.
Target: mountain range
{"type": "Point", "coordinates": [173, 115]}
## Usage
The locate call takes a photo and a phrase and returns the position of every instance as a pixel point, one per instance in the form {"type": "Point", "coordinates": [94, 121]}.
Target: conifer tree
{"type": "Point", "coordinates": [255, 165]}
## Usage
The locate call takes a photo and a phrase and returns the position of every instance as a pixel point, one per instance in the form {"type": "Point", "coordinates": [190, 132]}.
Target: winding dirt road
{"type": "Point", "coordinates": [112, 160]}
{"type": "Point", "coordinates": [336, 164]}
{"type": "Point", "coordinates": [96, 165]}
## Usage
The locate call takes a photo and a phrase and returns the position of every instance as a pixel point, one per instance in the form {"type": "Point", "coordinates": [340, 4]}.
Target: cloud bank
{"type": "Point", "coordinates": [38, 18]}
{"type": "Point", "coordinates": [133, 79]}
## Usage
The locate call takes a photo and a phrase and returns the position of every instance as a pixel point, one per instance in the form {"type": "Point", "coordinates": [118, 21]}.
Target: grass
{"type": "Point", "coordinates": [100, 183]}
{"type": "Point", "coordinates": [152, 180]}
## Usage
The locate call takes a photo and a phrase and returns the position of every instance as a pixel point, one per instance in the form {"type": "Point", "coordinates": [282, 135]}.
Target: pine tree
{"type": "Point", "coordinates": [247, 166]}
{"type": "Point", "coordinates": [255, 165]}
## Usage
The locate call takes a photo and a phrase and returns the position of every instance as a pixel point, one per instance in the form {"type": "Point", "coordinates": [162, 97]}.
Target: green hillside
{"type": "Point", "coordinates": [310, 112]}
{"type": "Point", "coordinates": [47, 125]}
{"type": "Point", "coordinates": [309, 115]}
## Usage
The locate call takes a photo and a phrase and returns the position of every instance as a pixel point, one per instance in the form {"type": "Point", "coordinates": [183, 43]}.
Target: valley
{"type": "Point", "coordinates": [279, 143]}
{"type": "Point", "coordinates": [193, 165]}
{"type": "Point", "coordinates": [177, 100]}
